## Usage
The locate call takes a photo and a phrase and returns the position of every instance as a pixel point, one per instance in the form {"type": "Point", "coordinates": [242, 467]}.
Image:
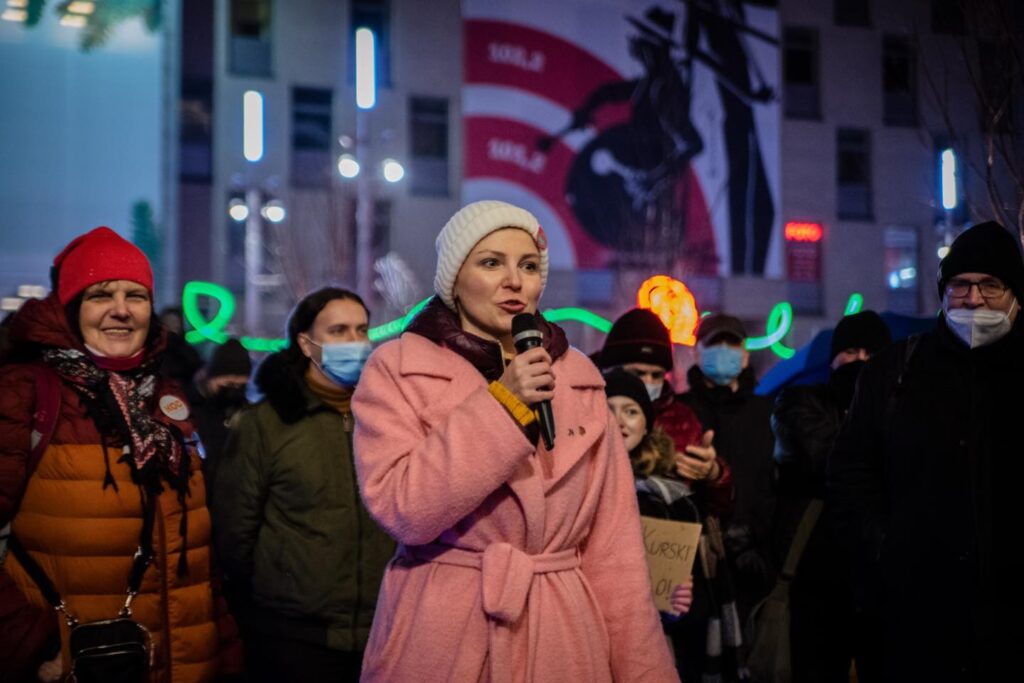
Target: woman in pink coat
{"type": "Point", "coordinates": [515, 563]}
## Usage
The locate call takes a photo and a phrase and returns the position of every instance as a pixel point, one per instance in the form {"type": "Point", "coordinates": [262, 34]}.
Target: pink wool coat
{"type": "Point", "coordinates": [515, 564]}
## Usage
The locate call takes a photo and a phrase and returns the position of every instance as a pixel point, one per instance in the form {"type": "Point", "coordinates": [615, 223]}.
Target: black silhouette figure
{"type": "Point", "coordinates": [623, 185]}
{"type": "Point", "coordinates": [626, 185]}
{"type": "Point", "coordinates": [722, 23]}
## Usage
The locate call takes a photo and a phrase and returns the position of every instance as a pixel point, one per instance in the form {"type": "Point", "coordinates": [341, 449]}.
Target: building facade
{"type": "Point", "coordinates": [869, 94]}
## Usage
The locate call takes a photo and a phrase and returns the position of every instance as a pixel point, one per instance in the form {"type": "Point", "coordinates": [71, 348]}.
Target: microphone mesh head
{"type": "Point", "coordinates": [524, 322]}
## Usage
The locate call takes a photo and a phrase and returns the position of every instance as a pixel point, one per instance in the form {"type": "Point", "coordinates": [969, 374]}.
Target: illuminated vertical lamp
{"type": "Point", "coordinates": [948, 165]}
{"type": "Point", "coordinates": [366, 69]}
{"type": "Point", "coordinates": [366, 98]}
{"type": "Point", "coordinates": [252, 125]}
{"type": "Point", "coordinates": [252, 148]}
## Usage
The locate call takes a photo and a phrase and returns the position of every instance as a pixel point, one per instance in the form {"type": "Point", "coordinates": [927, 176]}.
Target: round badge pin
{"type": "Point", "coordinates": [174, 407]}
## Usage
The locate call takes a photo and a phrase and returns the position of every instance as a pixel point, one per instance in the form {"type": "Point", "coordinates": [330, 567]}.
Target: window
{"type": "Point", "coordinates": [802, 92]}
{"type": "Point", "coordinates": [899, 81]}
{"type": "Point", "coordinates": [196, 121]}
{"type": "Point", "coordinates": [901, 270]}
{"type": "Point", "coordinates": [853, 175]}
{"type": "Point", "coordinates": [374, 15]}
{"type": "Point", "coordinates": [311, 137]}
{"type": "Point", "coordinates": [249, 43]}
{"type": "Point", "coordinates": [852, 12]}
{"type": "Point", "coordinates": [948, 17]}
{"type": "Point", "coordinates": [996, 95]}
{"type": "Point", "coordinates": [428, 142]}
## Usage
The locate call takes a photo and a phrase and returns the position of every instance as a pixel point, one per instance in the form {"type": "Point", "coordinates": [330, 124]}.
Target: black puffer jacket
{"type": "Point", "coordinates": [925, 483]}
{"type": "Point", "coordinates": [743, 438]}
{"type": "Point", "coordinates": [806, 421]}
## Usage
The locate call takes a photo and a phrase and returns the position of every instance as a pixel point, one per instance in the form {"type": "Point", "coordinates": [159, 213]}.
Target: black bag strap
{"type": "Point", "coordinates": [35, 571]}
{"type": "Point", "coordinates": [803, 534]}
{"type": "Point", "coordinates": [140, 561]}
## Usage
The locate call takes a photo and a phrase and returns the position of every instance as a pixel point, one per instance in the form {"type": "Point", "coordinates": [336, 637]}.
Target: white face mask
{"type": "Point", "coordinates": [654, 390]}
{"type": "Point", "coordinates": [979, 326]}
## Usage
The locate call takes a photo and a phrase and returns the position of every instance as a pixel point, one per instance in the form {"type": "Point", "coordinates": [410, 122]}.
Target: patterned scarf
{"type": "Point", "coordinates": [154, 450]}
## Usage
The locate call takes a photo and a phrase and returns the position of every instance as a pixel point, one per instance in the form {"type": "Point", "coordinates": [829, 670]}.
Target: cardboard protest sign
{"type": "Point", "coordinates": [671, 548]}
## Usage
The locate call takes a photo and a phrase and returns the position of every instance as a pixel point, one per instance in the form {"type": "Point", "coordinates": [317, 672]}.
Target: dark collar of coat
{"type": "Point", "coordinates": [284, 386]}
{"type": "Point", "coordinates": [719, 395]}
{"type": "Point", "coordinates": [441, 325]}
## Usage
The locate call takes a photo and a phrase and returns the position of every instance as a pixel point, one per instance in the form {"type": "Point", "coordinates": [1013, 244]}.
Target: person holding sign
{"type": "Point", "coordinates": [516, 562]}
{"type": "Point", "coordinates": [700, 611]}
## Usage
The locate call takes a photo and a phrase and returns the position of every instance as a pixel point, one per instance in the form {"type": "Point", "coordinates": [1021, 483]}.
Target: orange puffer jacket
{"type": "Point", "coordinates": [84, 535]}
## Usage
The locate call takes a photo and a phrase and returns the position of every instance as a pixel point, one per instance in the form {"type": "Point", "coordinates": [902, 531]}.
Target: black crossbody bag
{"type": "Point", "coordinates": [117, 650]}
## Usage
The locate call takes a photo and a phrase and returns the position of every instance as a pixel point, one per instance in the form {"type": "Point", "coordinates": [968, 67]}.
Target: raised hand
{"type": "Point", "coordinates": [699, 462]}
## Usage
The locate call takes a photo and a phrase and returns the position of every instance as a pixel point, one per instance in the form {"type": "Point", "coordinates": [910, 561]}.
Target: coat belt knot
{"type": "Point", "coordinates": [506, 573]}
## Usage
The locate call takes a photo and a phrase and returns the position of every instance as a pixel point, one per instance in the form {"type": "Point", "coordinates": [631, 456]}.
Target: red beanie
{"type": "Point", "coordinates": [98, 256]}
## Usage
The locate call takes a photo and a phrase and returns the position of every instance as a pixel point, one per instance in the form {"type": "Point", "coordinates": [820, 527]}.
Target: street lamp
{"type": "Point", "coordinates": [950, 198]}
{"type": "Point", "coordinates": [392, 170]}
{"type": "Point", "coordinates": [348, 167]}
{"type": "Point", "coordinates": [366, 98]}
{"type": "Point", "coordinates": [252, 209]}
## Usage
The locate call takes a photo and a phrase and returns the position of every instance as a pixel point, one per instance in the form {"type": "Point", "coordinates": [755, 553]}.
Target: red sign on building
{"type": "Point", "coordinates": [803, 251]}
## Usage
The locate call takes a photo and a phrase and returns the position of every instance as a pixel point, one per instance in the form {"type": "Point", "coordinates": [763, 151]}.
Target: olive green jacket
{"type": "Point", "coordinates": [301, 555]}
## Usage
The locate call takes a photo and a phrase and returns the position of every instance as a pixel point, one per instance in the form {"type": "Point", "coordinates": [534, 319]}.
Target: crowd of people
{"type": "Point", "coordinates": [394, 514]}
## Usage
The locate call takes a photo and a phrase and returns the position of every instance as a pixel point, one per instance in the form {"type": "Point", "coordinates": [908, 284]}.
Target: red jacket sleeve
{"type": "Point", "coordinates": [26, 630]}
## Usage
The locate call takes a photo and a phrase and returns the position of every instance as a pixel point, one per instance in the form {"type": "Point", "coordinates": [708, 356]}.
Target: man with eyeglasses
{"type": "Point", "coordinates": [925, 478]}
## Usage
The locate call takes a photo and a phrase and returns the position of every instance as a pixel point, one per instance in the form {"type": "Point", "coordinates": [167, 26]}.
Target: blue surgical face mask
{"type": "Point", "coordinates": [343, 362]}
{"type": "Point", "coordinates": [722, 363]}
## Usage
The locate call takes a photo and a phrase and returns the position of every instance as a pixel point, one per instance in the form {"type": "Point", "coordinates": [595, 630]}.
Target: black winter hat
{"type": "Point", "coordinates": [618, 382]}
{"type": "Point", "coordinates": [865, 330]}
{"type": "Point", "coordinates": [638, 336]}
{"type": "Point", "coordinates": [230, 358]}
{"type": "Point", "coordinates": [720, 325]}
{"type": "Point", "coordinates": [985, 248]}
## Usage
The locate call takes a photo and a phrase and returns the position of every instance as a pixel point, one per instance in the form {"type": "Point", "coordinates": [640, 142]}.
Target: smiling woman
{"type": "Point", "coordinates": [114, 318]}
{"type": "Point", "coordinates": [119, 474]}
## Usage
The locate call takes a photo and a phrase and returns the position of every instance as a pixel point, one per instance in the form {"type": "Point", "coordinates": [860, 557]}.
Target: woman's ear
{"type": "Point", "coordinates": [306, 345]}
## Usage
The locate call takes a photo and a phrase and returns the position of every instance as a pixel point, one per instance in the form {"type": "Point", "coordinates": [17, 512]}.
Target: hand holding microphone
{"type": "Point", "coordinates": [529, 376]}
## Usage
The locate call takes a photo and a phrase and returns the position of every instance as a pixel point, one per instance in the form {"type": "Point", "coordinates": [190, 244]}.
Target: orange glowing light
{"type": "Point", "coordinates": [804, 232]}
{"type": "Point", "coordinates": [673, 302]}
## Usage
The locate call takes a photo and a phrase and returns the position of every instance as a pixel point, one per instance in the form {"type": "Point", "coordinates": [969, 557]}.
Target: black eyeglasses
{"type": "Point", "coordinates": [989, 289]}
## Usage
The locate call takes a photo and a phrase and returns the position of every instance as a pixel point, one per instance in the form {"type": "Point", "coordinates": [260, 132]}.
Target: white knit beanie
{"type": "Point", "coordinates": [471, 224]}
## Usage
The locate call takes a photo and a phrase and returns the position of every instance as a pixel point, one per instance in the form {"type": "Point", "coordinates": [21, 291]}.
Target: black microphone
{"type": "Point", "coordinates": [527, 336]}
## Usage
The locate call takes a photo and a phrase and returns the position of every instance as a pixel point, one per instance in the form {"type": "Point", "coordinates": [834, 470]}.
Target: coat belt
{"type": "Point", "coordinates": [506, 576]}
{"type": "Point", "coordinates": [506, 573]}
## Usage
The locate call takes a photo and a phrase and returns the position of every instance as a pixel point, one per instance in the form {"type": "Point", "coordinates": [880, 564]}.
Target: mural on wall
{"type": "Point", "coordinates": [642, 134]}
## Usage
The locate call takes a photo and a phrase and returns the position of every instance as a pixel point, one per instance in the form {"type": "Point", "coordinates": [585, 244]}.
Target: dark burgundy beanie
{"type": "Point", "coordinates": [98, 256]}
{"type": "Point", "coordinates": [865, 330]}
{"type": "Point", "coordinates": [985, 248]}
{"type": "Point", "coordinates": [230, 358]}
{"type": "Point", "coordinates": [618, 382]}
{"type": "Point", "coordinates": [638, 336]}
